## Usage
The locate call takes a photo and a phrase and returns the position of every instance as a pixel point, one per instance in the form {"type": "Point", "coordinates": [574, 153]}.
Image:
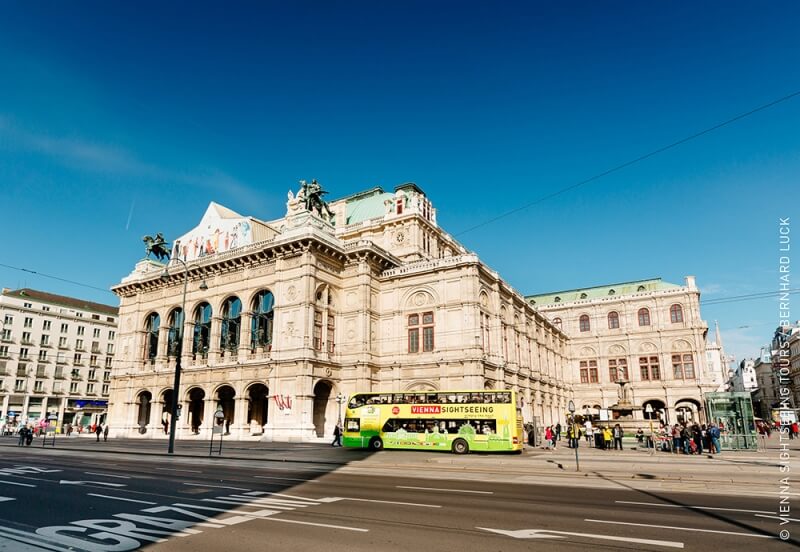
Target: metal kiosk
{"type": "Point", "coordinates": [217, 428]}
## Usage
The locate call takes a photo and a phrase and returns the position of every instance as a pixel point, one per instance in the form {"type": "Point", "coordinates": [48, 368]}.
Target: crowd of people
{"type": "Point", "coordinates": [28, 431]}
{"type": "Point", "coordinates": [686, 438]}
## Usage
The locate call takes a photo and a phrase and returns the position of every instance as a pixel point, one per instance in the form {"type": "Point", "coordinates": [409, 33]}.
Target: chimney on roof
{"type": "Point", "coordinates": [690, 283]}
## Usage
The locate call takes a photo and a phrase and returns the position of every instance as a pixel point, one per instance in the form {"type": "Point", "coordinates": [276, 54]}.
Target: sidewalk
{"type": "Point", "coordinates": [745, 472]}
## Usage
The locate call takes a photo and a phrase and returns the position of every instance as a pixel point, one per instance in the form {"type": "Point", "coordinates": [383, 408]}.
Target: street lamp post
{"type": "Point", "coordinates": [177, 382]}
{"type": "Point", "coordinates": [340, 398]}
{"type": "Point", "coordinates": [649, 410]}
{"type": "Point", "coordinates": [575, 440]}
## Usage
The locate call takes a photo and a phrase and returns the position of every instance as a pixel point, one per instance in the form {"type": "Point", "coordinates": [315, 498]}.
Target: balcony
{"type": "Point", "coordinates": [45, 345]}
{"type": "Point", "coordinates": [59, 375]}
{"type": "Point", "coordinates": [22, 372]}
{"type": "Point", "coordinates": [8, 339]}
{"type": "Point", "coordinates": [63, 347]}
{"type": "Point", "coordinates": [80, 348]}
{"type": "Point", "coordinates": [27, 342]}
{"type": "Point", "coordinates": [41, 373]}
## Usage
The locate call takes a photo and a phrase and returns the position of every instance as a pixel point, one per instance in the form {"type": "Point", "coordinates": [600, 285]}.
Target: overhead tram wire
{"type": "Point", "coordinates": [42, 274]}
{"type": "Point", "coordinates": [633, 161]}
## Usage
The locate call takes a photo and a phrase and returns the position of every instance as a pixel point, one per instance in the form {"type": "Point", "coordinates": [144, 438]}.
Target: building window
{"type": "Point", "coordinates": [42, 356]}
{"type": "Point", "coordinates": [420, 324]}
{"type": "Point", "coordinates": [4, 351]}
{"type": "Point", "coordinates": [28, 322]}
{"type": "Point", "coordinates": [110, 349]}
{"type": "Point", "coordinates": [73, 387]}
{"type": "Point", "coordinates": [23, 353]}
{"type": "Point", "coordinates": [400, 206]}
{"type": "Point", "coordinates": [93, 360]}
{"type": "Point", "coordinates": [38, 386]}
{"type": "Point", "coordinates": [76, 359]}
{"type": "Point", "coordinates": [588, 369]}
{"type": "Point", "coordinates": [90, 389]}
{"type": "Point", "coordinates": [231, 322]}
{"type": "Point", "coordinates": [583, 323]}
{"type": "Point", "coordinates": [79, 315]}
{"type": "Point", "coordinates": [96, 333]}
{"type": "Point", "coordinates": [331, 333]}
{"type": "Point", "coordinates": [45, 341]}
{"type": "Point", "coordinates": [62, 342]}
{"type": "Point", "coordinates": [613, 320]}
{"type": "Point", "coordinates": [6, 335]}
{"type": "Point", "coordinates": [676, 314]}
{"type": "Point", "coordinates": [618, 369]}
{"type": "Point", "coordinates": [46, 325]}
{"type": "Point", "coordinates": [105, 389]}
{"type": "Point", "coordinates": [263, 319]}
{"type": "Point", "coordinates": [318, 330]}
{"type": "Point", "coordinates": [111, 335]}
{"type": "Point", "coordinates": [649, 368]}
{"type": "Point", "coordinates": [202, 330]}
{"type": "Point", "coordinates": [8, 319]}
{"type": "Point", "coordinates": [151, 327]}
{"type": "Point", "coordinates": [19, 385]}
{"type": "Point", "coordinates": [26, 338]}
{"type": "Point", "coordinates": [108, 362]}
{"type": "Point", "coordinates": [557, 323]}
{"type": "Point", "coordinates": [683, 366]}
{"type": "Point", "coordinates": [107, 375]}
{"type": "Point", "coordinates": [45, 308]}
{"type": "Point", "coordinates": [64, 328]}
{"type": "Point", "coordinates": [95, 317]}
{"type": "Point", "coordinates": [174, 345]}
{"type": "Point", "coordinates": [644, 317]}
{"type": "Point", "coordinates": [79, 345]}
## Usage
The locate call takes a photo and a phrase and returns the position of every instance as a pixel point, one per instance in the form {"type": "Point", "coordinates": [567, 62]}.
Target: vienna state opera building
{"type": "Point", "coordinates": [285, 318]}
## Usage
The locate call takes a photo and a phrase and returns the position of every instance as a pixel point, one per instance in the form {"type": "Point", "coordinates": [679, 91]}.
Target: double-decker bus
{"type": "Point", "coordinates": [458, 421]}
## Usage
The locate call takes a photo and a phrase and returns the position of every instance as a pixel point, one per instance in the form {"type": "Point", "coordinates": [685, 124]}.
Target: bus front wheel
{"type": "Point", "coordinates": [376, 443]}
{"type": "Point", "coordinates": [460, 446]}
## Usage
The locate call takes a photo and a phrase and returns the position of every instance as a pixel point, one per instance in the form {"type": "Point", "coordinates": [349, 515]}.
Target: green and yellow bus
{"type": "Point", "coordinates": [458, 421]}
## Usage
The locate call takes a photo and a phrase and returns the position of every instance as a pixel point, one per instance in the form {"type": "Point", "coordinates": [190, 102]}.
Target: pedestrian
{"type": "Point", "coordinates": [685, 438]}
{"type": "Point", "coordinates": [706, 438]}
{"type": "Point", "coordinates": [795, 429]}
{"type": "Point", "coordinates": [98, 430]}
{"type": "Point", "coordinates": [607, 436]}
{"type": "Point", "coordinates": [548, 436]}
{"type": "Point", "coordinates": [105, 432]}
{"type": "Point", "coordinates": [558, 431]}
{"type": "Point", "coordinates": [588, 432]}
{"type": "Point", "coordinates": [22, 435]}
{"type": "Point", "coordinates": [697, 437]}
{"type": "Point", "coordinates": [337, 435]}
{"type": "Point", "coordinates": [676, 439]}
{"type": "Point", "coordinates": [618, 437]}
{"type": "Point", "coordinates": [715, 434]}
{"type": "Point", "coordinates": [28, 436]}
{"type": "Point", "coordinates": [640, 436]}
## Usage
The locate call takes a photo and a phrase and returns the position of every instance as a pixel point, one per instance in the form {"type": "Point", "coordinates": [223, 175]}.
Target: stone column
{"type": "Point", "coordinates": [214, 346]}
{"type": "Point", "coordinates": [163, 345]}
{"type": "Point", "coordinates": [239, 428]}
{"type": "Point", "coordinates": [25, 402]}
{"type": "Point", "coordinates": [245, 336]}
{"type": "Point", "coordinates": [186, 345]}
{"type": "Point", "coordinates": [61, 408]}
{"type": "Point", "coordinates": [6, 399]}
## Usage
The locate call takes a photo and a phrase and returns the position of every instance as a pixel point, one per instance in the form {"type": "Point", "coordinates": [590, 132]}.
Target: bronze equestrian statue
{"type": "Point", "coordinates": [157, 246]}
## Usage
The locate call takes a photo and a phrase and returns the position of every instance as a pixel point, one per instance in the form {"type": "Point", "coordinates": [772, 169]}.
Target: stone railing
{"type": "Point", "coordinates": [432, 264]}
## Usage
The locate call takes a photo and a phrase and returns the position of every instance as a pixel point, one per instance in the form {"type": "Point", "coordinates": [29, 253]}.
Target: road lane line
{"type": "Point", "coordinates": [358, 529]}
{"type": "Point", "coordinates": [680, 528]}
{"type": "Point", "coordinates": [773, 516]}
{"type": "Point", "coordinates": [244, 503]}
{"type": "Point", "coordinates": [17, 484]}
{"type": "Point", "coordinates": [123, 499]}
{"type": "Point", "coordinates": [294, 497]}
{"type": "Point", "coordinates": [6, 499]}
{"type": "Point", "coordinates": [30, 538]}
{"type": "Point", "coordinates": [108, 475]}
{"type": "Point", "coordinates": [285, 478]}
{"type": "Point", "coordinates": [693, 507]}
{"type": "Point", "coordinates": [178, 470]}
{"type": "Point", "coordinates": [443, 490]}
{"type": "Point", "coordinates": [553, 534]}
{"type": "Point", "coordinates": [216, 486]}
{"type": "Point", "coordinates": [393, 502]}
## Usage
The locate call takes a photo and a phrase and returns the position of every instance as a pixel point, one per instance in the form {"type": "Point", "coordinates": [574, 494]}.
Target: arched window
{"type": "Point", "coordinates": [263, 318]}
{"type": "Point", "coordinates": [231, 322]}
{"type": "Point", "coordinates": [613, 320]}
{"type": "Point", "coordinates": [202, 330]}
{"type": "Point", "coordinates": [151, 341]}
{"type": "Point", "coordinates": [641, 288]}
{"type": "Point", "coordinates": [583, 323]}
{"type": "Point", "coordinates": [175, 332]}
{"type": "Point", "coordinates": [557, 323]}
{"type": "Point", "coordinates": [676, 314]}
{"type": "Point", "coordinates": [644, 317]}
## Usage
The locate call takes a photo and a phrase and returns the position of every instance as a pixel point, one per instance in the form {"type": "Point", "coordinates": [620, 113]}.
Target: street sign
{"type": "Point", "coordinates": [571, 407]}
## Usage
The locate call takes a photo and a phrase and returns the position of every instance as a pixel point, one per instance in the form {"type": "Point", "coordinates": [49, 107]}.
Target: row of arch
{"type": "Point", "coordinates": [262, 314]}
{"type": "Point", "coordinates": [643, 316]}
{"type": "Point", "coordinates": [684, 410]}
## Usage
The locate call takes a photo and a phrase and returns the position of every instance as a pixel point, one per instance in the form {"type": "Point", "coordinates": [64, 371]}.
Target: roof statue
{"type": "Point", "coordinates": [157, 246]}
{"type": "Point", "coordinates": [309, 198]}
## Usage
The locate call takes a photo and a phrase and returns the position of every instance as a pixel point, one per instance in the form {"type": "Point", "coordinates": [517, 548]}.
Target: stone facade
{"type": "Point", "coordinates": [648, 334]}
{"type": "Point", "coordinates": [56, 357]}
{"type": "Point", "coordinates": [311, 307]}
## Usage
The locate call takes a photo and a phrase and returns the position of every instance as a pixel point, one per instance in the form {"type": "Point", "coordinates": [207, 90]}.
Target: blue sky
{"type": "Point", "coordinates": [122, 120]}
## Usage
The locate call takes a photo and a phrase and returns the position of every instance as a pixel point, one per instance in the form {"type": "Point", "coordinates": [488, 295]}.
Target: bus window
{"type": "Point", "coordinates": [504, 398]}
{"type": "Point", "coordinates": [356, 401]}
{"type": "Point", "coordinates": [462, 397]}
{"type": "Point", "coordinates": [433, 398]}
{"type": "Point", "coordinates": [488, 427]}
{"type": "Point", "coordinates": [352, 424]}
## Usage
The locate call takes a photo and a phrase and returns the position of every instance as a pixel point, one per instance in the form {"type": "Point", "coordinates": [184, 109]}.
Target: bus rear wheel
{"type": "Point", "coordinates": [376, 443]}
{"type": "Point", "coordinates": [460, 446]}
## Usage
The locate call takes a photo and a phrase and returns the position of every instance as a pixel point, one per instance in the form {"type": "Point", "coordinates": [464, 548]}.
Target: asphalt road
{"type": "Point", "coordinates": [72, 500]}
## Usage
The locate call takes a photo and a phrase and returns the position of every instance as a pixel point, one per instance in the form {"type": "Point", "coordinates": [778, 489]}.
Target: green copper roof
{"type": "Point", "coordinates": [367, 205]}
{"type": "Point", "coordinates": [585, 294]}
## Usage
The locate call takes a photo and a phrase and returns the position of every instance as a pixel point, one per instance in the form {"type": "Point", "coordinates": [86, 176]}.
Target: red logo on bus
{"type": "Point", "coordinates": [395, 410]}
{"type": "Point", "coordinates": [432, 409]}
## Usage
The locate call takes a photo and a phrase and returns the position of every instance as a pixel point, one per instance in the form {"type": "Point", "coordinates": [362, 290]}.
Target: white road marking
{"type": "Point", "coordinates": [66, 482]}
{"type": "Point", "coordinates": [293, 497]}
{"type": "Point", "coordinates": [443, 490]}
{"type": "Point", "coordinates": [339, 498]}
{"type": "Point", "coordinates": [108, 475]}
{"type": "Point", "coordinates": [123, 499]}
{"type": "Point", "coordinates": [358, 529]}
{"type": "Point", "coordinates": [17, 484]}
{"type": "Point", "coordinates": [680, 528]}
{"type": "Point", "coordinates": [216, 486]}
{"type": "Point", "coordinates": [550, 534]}
{"type": "Point", "coordinates": [773, 516]}
{"type": "Point", "coordinates": [285, 478]}
{"type": "Point", "coordinates": [692, 507]}
{"type": "Point", "coordinates": [176, 469]}
{"type": "Point", "coordinates": [30, 538]}
{"type": "Point", "coordinates": [246, 503]}
{"type": "Point", "coordinates": [6, 499]}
